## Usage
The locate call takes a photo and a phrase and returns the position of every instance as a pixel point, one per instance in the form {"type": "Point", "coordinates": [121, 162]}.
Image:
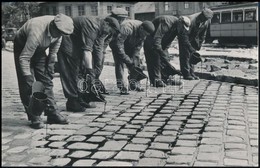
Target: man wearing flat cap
{"type": "Point", "coordinates": [77, 55]}
{"type": "Point", "coordinates": [156, 46]}
{"type": "Point", "coordinates": [197, 34]}
{"type": "Point", "coordinates": [127, 51]}
{"type": "Point", "coordinates": [31, 61]}
{"type": "Point", "coordinates": [120, 14]}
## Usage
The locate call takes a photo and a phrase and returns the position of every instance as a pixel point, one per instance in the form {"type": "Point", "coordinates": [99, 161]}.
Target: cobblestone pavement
{"type": "Point", "coordinates": [204, 123]}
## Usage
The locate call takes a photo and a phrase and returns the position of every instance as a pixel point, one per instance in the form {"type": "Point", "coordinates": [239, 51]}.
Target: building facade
{"type": "Point", "coordinates": [74, 9]}
{"type": "Point", "coordinates": [181, 8]}
{"type": "Point", "coordinates": [144, 11]}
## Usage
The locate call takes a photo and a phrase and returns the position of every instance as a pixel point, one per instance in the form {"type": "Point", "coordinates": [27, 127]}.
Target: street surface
{"type": "Point", "coordinates": [203, 123]}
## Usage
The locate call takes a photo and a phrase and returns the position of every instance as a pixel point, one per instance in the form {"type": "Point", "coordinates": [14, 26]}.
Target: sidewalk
{"type": "Point", "coordinates": [204, 123]}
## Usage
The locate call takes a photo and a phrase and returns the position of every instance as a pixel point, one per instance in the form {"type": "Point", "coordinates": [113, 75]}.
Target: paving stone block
{"type": "Point", "coordinates": [127, 131]}
{"type": "Point", "coordinates": [145, 134]}
{"type": "Point", "coordinates": [18, 149]}
{"type": "Point", "coordinates": [59, 152]}
{"type": "Point", "coordinates": [167, 139]}
{"type": "Point", "coordinates": [60, 161]}
{"type": "Point", "coordinates": [211, 141]}
{"type": "Point", "coordinates": [86, 131]}
{"type": "Point", "coordinates": [254, 142]}
{"type": "Point", "coordinates": [191, 131]}
{"type": "Point", "coordinates": [186, 143]}
{"type": "Point", "coordinates": [235, 146]}
{"type": "Point", "coordinates": [113, 145]}
{"type": "Point", "coordinates": [160, 146]}
{"type": "Point", "coordinates": [57, 138]}
{"type": "Point", "coordinates": [113, 128]}
{"type": "Point", "coordinates": [236, 154]}
{"type": "Point", "coordinates": [135, 147]}
{"type": "Point", "coordinates": [209, 148]}
{"type": "Point", "coordinates": [172, 127]}
{"type": "Point", "coordinates": [127, 155]}
{"type": "Point", "coordinates": [151, 162]}
{"type": "Point", "coordinates": [76, 138]}
{"type": "Point", "coordinates": [208, 157]}
{"type": "Point", "coordinates": [82, 146]}
{"type": "Point", "coordinates": [103, 133]}
{"type": "Point", "coordinates": [96, 139]}
{"type": "Point", "coordinates": [180, 159]}
{"type": "Point", "coordinates": [114, 163]}
{"type": "Point", "coordinates": [205, 164]}
{"type": "Point", "coordinates": [79, 154]}
{"type": "Point", "coordinates": [103, 155]}
{"type": "Point", "coordinates": [212, 134]}
{"type": "Point", "coordinates": [234, 139]}
{"type": "Point", "coordinates": [97, 124]}
{"type": "Point", "coordinates": [155, 154]}
{"type": "Point", "coordinates": [141, 140]}
{"type": "Point", "coordinates": [170, 133]}
{"type": "Point", "coordinates": [84, 162]}
{"type": "Point", "coordinates": [39, 159]}
{"type": "Point", "coordinates": [183, 150]}
{"type": "Point", "coordinates": [58, 144]}
{"type": "Point", "coordinates": [235, 162]}
{"type": "Point", "coordinates": [61, 132]}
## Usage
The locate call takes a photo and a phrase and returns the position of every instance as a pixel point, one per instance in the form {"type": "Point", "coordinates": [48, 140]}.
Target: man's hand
{"type": "Point", "coordinates": [29, 81]}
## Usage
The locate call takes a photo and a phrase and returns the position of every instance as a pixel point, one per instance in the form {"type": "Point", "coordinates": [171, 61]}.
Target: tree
{"type": "Point", "coordinates": [15, 14]}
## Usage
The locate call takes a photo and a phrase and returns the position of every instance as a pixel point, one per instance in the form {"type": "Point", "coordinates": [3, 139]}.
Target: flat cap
{"type": "Point", "coordinates": [119, 12]}
{"type": "Point", "coordinates": [148, 26]}
{"type": "Point", "coordinates": [64, 23]}
{"type": "Point", "coordinates": [207, 13]}
{"type": "Point", "coordinates": [186, 22]}
{"type": "Point", "coordinates": [113, 23]}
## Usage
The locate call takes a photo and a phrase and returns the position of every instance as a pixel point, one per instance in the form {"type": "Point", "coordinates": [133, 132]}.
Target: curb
{"type": "Point", "coordinates": [208, 76]}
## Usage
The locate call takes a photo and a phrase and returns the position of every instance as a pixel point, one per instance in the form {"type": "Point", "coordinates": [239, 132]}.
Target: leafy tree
{"type": "Point", "coordinates": [15, 14]}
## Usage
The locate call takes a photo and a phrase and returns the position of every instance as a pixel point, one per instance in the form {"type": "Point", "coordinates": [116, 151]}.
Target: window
{"type": "Point", "coordinates": [238, 16]}
{"type": "Point", "coordinates": [128, 10]}
{"type": "Point", "coordinates": [216, 18]}
{"type": "Point", "coordinates": [47, 11]}
{"type": "Point", "coordinates": [54, 10]}
{"type": "Point", "coordinates": [226, 17]}
{"type": "Point", "coordinates": [166, 6]}
{"type": "Point", "coordinates": [109, 9]}
{"type": "Point", "coordinates": [186, 5]}
{"type": "Point", "coordinates": [68, 10]}
{"type": "Point", "coordinates": [250, 15]}
{"type": "Point", "coordinates": [81, 10]}
{"type": "Point", "coordinates": [94, 10]}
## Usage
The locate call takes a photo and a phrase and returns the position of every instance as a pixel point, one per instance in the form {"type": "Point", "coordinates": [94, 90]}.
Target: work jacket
{"type": "Point", "coordinates": [198, 31]}
{"type": "Point", "coordinates": [35, 36]}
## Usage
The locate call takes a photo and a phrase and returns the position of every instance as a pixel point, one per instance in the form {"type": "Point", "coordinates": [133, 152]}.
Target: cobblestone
{"type": "Point", "coordinates": [113, 145]}
{"type": "Point", "coordinates": [127, 155]}
{"type": "Point", "coordinates": [79, 154]}
{"type": "Point", "coordinates": [103, 155]}
{"type": "Point", "coordinates": [151, 162]}
{"type": "Point", "coordinates": [84, 162]}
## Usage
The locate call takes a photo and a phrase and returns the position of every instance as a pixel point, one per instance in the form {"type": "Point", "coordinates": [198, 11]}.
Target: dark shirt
{"type": "Point", "coordinates": [129, 39]}
{"type": "Point", "coordinates": [198, 31]}
{"type": "Point", "coordinates": [87, 34]}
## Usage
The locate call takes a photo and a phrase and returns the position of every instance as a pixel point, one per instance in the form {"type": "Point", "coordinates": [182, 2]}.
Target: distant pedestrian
{"type": "Point", "coordinates": [197, 34]}
{"type": "Point", "coordinates": [31, 61]}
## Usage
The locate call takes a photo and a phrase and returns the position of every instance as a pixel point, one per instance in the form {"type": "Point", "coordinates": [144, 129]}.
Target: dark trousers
{"type": "Point", "coordinates": [119, 64]}
{"type": "Point", "coordinates": [186, 67]}
{"type": "Point", "coordinates": [37, 66]}
{"type": "Point", "coordinates": [69, 68]}
{"type": "Point", "coordinates": [152, 60]}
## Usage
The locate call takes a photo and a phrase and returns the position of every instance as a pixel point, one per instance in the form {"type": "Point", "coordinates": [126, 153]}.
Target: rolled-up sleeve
{"type": "Point", "coordinates": [28, 51]}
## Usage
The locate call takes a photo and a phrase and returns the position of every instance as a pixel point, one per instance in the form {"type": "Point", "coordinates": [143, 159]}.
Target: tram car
{"type": "Point", "coordinates": [235, 24]}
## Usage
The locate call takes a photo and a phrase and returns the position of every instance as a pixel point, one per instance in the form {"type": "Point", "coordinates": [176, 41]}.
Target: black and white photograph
{"type": "Point", "coordinates": [133, 84]}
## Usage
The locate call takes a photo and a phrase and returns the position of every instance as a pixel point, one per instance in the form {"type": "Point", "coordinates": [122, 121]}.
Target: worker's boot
{"type": "Point", "coordinates": [54, 117]}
